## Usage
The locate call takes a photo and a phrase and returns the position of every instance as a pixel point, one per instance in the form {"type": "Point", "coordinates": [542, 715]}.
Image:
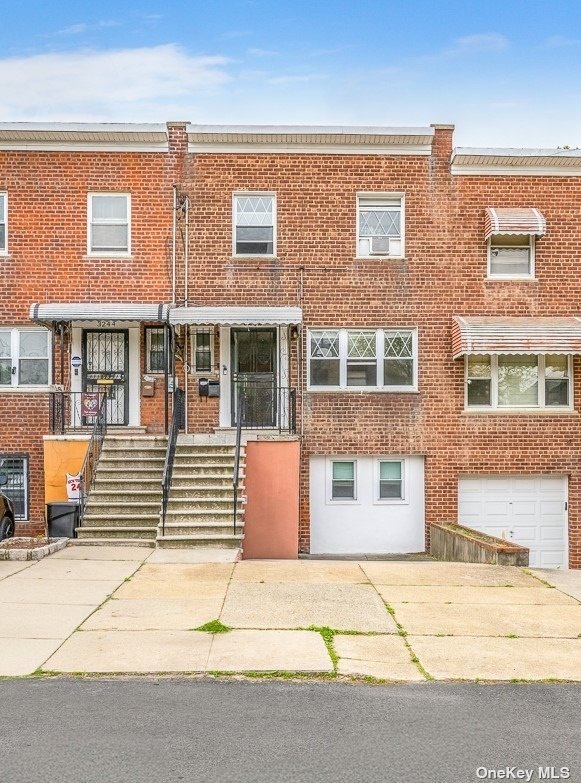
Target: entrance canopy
{"type": "Point", "coordinates": [490, 335]}
{"type": "Point", "coordinates": [236, 316]}
{"type": "Point", "coordinates": [89, 311]}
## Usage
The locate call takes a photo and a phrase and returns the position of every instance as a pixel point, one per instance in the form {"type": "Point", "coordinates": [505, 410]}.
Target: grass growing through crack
{"type": "Point", "coordinates": [214, 626]}
{"type": "Point", "coordinates": [328, 635]}
{"type": "Point", "coordinates": [403, 633]}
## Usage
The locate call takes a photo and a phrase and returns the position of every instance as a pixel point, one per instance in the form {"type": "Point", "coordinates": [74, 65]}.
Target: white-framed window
{"type": "Point", "coordinates": [358, 359]}
{"type": "Point", "coordinates": [518, 381]}
{"type": "Point", "coordinates": [14, 467]}
{"type": "Point", "coordinates": [511, 256]}
{"type": "Point", "coordinates": [202, 349]}
{"type": "Point", "coordinates": [24, 358]}
{"type": "Point", "coordinates": [389, 480]}
{"type": "Point", "coordinates": [109, 224]}
{"type": "Point", "coordinates": [342, 480]}
{"type": "Point", "coordinates": [254, 224]}
{"type": "Point", "coordinates": [3, 223]}
{"type": "Point", "coordinates": [154, 349]}
{"type": "Point", "coordinates": [380, 225]}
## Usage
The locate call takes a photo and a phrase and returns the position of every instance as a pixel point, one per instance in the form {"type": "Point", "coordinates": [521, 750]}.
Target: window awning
{"type": "Point", "coordinates": [514, 221]}
{"type": "Point", "coordinates": [91, 311]}
{"type": "Point", "coordinates": [236, 316]}
{"type": "Point", "coordinates": [487, 335]}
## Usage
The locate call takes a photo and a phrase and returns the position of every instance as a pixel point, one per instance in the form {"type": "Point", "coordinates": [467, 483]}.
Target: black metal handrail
{"type": "Point", "coordinates": [266, 406]}
{"type": "Point", "coordinates": [177, 423]}
{"type": "Point", "coordinates": [240, 411]}
{"type": "Point", "coordinates": [89, 469]}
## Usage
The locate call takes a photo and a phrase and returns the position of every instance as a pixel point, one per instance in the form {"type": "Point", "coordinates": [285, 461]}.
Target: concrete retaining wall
{"type": "Point", "coordinates": [460, 544]}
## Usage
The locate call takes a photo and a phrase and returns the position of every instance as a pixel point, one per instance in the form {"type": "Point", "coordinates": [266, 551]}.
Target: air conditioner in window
{"type": "Point", "coordinates": [379, 246]}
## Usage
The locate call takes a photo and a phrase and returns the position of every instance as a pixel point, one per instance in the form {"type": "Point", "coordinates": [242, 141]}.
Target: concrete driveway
{"type": "Point", "coordinates": [127, 610]}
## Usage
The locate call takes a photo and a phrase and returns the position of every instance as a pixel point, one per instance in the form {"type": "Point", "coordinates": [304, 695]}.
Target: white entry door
{"type": "Point", "coordinates": [529, 510]}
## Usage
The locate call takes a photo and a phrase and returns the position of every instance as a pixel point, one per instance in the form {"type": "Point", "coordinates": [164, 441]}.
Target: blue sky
{"type": "Point", "coordinates": [506, 73]}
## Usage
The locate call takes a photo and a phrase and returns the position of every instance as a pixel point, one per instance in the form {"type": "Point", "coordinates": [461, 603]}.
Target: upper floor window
{"type": "Point", "coordinates": [109, 230]}
{"type": "Point", "coordinates": [511, 255]}
{"type": "Point", "coordinates": [380, 226]}
{"type": "Point", "coordinates": [154, 349]}
{"type": "Point", "coordinates": [3, 221]}
{"type": "Point", "coordinates": [518, 381]}
{"type": "Point", "coordinates": [384, 359]}
{"type": "Point", "coordinates": [24, 357]}
{"type": "Point", "coordinates": [254, 224]}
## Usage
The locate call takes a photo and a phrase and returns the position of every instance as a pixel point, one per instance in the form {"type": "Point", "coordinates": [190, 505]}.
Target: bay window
{"type": "Point", "coordinates": [518, 381]}
{"type": "Point", "coordinates": [371, 359]}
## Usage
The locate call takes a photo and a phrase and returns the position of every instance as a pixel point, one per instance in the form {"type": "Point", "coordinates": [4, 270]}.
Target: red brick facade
{"type": "Point", "coordinates": [443, 275]}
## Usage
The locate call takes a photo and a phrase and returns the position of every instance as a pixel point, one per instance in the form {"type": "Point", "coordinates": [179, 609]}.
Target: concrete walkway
{"type": "Point", "coordinates": [107, 610]}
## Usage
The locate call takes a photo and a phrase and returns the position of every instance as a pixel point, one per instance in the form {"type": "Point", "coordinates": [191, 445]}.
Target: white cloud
{"type": "Point", "coordinates": [115, 84]}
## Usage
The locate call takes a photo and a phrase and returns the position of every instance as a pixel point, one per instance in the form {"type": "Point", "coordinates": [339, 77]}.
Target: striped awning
{"type": "Point", "coordinates": [98, 311]}
{"type": "Point", "coordinates": [514, 221]}
{"type": "Point", "coordinates": [491, 335]}
{"type": "Point", "coordinates": [236, 316]}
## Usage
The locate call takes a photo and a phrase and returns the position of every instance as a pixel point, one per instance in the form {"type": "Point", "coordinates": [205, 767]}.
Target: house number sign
{"type": "Point", "coordinates": [106, 324]}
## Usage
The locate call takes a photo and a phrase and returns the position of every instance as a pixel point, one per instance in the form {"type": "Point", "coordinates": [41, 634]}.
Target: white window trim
{"type": "Point", "coordinates": [540, 406]}
{"type": "Point", "coordinates": [26, 473]}
{"type": "Point", "coordinates": [193, 340]}
{"type": "Point", "coordinates": [256, 193]}
{"type": "Point", "coordinates": [4, 250]}
{"type": "Point", "coordinates": [387, 196]}
{"type": "Point", "coordinates": [148, 330]}
{"type": "Point", "coordinates": [404, 500]}
{"type": "Point", "coordinates": [492, 276]}
{"type": "Point", "coordinates": [112, 253]}
{"type": "Point", "coordinates": [379, 357]}
{"type": "Point", "coordinates": [330, 500]}
{"type": "Point", "coordinates": [15, 358]}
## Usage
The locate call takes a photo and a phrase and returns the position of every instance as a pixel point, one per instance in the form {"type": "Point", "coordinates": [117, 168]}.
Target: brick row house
{"type": "Point", "coordinates": [392, 322]}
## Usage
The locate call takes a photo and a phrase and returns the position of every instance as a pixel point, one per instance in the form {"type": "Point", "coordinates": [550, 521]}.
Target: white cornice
{"type": "Point", "coordinates": [251, 148]}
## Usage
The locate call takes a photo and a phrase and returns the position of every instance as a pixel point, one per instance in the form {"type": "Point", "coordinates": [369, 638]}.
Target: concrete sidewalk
{"type": "Point", "coordinates": [130, 610]}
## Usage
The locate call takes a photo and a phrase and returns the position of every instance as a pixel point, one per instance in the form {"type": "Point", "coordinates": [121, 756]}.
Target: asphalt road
{"type": "Point", "coordinates": [166, 730]}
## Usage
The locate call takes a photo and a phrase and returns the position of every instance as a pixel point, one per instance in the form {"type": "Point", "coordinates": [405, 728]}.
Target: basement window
{"type": "Point", "coordinates": [15, 468]}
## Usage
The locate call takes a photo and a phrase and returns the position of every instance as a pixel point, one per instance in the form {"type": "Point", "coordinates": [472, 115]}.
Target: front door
{"type": "Point", "coordinates": [106, 369]}
{"type": "Point", "coordinates": [254, 377]}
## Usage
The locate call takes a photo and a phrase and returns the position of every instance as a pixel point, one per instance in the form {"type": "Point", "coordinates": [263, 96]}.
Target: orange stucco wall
{"type": "Point", "coordinates": [61, 457]}
{"type": "Point", "coordinates": [271, 521]}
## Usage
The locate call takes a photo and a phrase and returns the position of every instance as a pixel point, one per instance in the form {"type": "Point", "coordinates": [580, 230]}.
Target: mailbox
{"type": "Point", "coordinates": [213, 388]}
{"type": "Point", "coordinates": [203, 387]}
{"type": "Point", "coordinates": [148, 386]}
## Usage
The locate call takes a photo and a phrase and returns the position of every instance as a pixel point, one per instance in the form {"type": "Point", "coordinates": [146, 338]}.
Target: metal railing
{"type": "Point", "coordinates": [177, 423]}
{"type": "Point", "coordinates": [89, 469]}
{"type": "Point", "coordinates": [266, 406]}
{"type": "Point", "coordinates": [74, 411]}
{"type": "Point", "coordinates": [240, 410]}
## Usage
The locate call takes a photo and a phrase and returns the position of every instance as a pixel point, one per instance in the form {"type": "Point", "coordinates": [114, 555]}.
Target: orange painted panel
{"type": "Point", "coordinates": [61, 457]}
{"type": "Point", "coordinates": [271, 521]}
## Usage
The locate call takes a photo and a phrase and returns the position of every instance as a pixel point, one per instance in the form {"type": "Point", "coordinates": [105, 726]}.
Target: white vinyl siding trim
{"type": "Point", "coordinates": [541, 376]}
{"type": "Point", "coordinates": [380, 337]}
{"type": "Point", "coordinates": [394, 202]}
{"type": "Point", "coordinates": [3, 223]}
{"type": "Point", "coordinates": [94, 222]}
{"type": "Point", "coordinates": [239, 195]}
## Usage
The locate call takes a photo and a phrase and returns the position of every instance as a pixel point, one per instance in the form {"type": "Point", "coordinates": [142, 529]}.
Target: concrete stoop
{"type": "Point", "coordinates": [200, 510]}
{"type": "Point", "coordinates": [123, 507]}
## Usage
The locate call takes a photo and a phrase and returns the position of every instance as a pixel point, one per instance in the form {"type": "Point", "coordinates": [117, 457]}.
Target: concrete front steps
{"type": "Point", "coordinates": [200, 510]}
{"type": "Point", "coordinates": [123, 507]}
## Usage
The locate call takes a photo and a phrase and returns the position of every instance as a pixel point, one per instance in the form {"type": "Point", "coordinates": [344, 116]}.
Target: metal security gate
{"type": "Point", "coordinates": [106, 369]}
{"type": "Point", "coordinates": [254, 364]}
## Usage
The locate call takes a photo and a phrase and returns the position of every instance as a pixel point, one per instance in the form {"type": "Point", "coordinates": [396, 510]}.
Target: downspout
{"type": "Point", "coordinates": [173, 245]}
{"type": "Point", "coordinates": [186, 327]}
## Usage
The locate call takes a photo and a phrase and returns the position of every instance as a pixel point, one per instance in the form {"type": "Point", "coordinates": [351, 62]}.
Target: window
{"type": "Point", "coordinates": [202, 350]}
{"type": "Point", "coordinates": [518, 381]}
{"type": "Point", "coordinates": [379, 226]}
{"type": "Point", "coordinates": [384, 359]}
{"type": "Point", "coordinates": [510, 256]}
{"type": "Point", "coordinates": [154, 349]}
{"type": "Point", "coordinates": [109, 223]}
{"type": "Point", "coordinates": [3, 221]}
{"type": "Point", "coordinates": [390, 477]}
{"type": "Point", "coordinates": [24, 357]}
{"type": "Point", "coordinates": [254, 222]}
{"type": "Point", "coordinates": [343, 480]}
{"type": "Point", "coordinates": [15, 468]}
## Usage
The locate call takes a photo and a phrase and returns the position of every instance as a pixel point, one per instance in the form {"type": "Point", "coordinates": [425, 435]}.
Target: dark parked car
{"type": "Point", "coordinates": [6, 512]}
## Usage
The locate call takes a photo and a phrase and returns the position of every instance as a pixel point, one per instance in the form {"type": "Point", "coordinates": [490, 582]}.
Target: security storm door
{"type": "Point", "coordinates": [106, 369]}
{"type": "Point", "coordinates": [254, 376]}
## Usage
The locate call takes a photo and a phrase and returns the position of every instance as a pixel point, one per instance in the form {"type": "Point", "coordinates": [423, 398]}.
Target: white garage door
{"type": "Point", "coordinates": [529, 510]}
{"type": "Point", "coordinates": [367, 505]}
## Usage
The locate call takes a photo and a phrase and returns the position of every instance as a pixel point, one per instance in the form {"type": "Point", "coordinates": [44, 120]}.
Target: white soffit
{"type": "Point", "coordinates": [236, 316]}
{"type": "Point", "coordinates": [83, 137]}
{"type": "Point", "coordinates": [516, 161]}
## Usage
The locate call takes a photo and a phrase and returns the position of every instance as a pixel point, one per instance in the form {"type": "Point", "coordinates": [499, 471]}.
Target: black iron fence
{"type": "Point", "coordinates": [76, 411]}
{"type": "Point", "coordinates": [89, 469]}
{"type": "Point", "coordinates": [265, 406]}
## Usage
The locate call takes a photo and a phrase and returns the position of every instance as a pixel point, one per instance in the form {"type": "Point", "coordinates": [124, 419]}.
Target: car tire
{"type": "Point", "coordinates": [6, 528]}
